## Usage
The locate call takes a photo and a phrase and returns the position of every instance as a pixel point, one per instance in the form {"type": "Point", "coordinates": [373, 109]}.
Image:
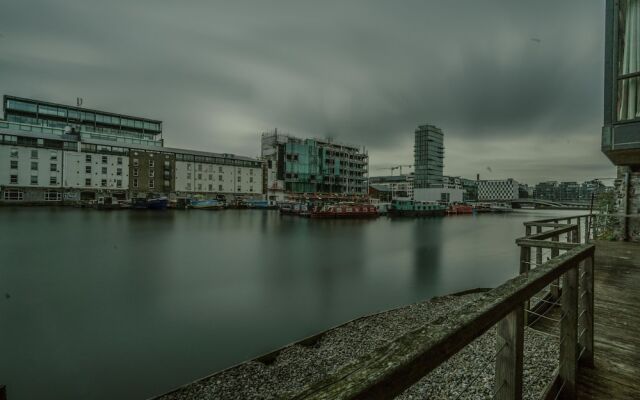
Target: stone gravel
{"type": "Point", "coordinates": [467, 375]}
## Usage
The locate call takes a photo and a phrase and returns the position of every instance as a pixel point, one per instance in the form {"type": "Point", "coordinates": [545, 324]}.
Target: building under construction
{"type": "Point", "coordinates": [296, 165]}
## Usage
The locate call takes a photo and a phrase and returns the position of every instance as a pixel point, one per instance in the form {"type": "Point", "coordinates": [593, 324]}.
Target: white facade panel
{"type": "Point", "coordinates": [436, 194]}
{"type": "Point", "coordinates": [195, 177]}
{"type": "Point", "coordinates": [96, 171]}
{"type": "Point", "coordinates": [30, 166]}
{"type": "Point", "coordinates": [497, 190]}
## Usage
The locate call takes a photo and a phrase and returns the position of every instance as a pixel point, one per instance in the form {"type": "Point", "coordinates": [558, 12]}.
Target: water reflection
{"type": "Point", "coordinates": [131, 304]}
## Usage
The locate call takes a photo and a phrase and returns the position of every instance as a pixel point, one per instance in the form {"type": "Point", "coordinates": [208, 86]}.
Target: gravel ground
{"type": "Point", "coordinates": [467, 375]}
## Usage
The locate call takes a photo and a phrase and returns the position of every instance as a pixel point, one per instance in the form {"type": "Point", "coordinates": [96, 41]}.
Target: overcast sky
{"type": "Point", "coordinates": [515, 85]}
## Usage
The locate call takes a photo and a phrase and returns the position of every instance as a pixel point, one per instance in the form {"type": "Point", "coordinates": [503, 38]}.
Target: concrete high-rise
{"type": "Point", "coordinates": [428, 157]}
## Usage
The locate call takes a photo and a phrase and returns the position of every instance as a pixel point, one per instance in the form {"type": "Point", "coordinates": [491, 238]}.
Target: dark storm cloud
{"type": "Point", "coordinates": [362, 72]}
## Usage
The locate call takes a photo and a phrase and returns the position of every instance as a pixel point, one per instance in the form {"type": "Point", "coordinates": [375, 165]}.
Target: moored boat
{"type": "Point", "coordinates": [346, 210]}
{"type": "Point", "coordinates": [412, 208]}
{"type": "Point", "coordinates": [457, 209]}
{"type": "Point", "coordinates": [206, 205]}
{"type": "Point", "coordinates": [261, 204]}
{"type": "Point", "coordinates": [157, 203]}
{"type": "Point", "coordinates": [107, 203]}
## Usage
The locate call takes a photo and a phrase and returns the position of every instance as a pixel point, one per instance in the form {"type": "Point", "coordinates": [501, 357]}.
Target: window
{"type": "Point", "coordinates": [188, 167]}
{"type": "Point", "coordinates": [220, 188]}
{"type": "Point", "coordinates": [52, 196]}
{"type": "Point", "coordinates": [87, 182]}
{"type": "Point", "coordinates": [239, 179]}
{"type": "Point", "coordinates": [239, 189]}
{"type": "Point", "coordinates": [135, 172]}
{"type": "Point", "coordinates": [210, 177]}
{"type": "Point", "coordinates": [135, 182]}
{"type": "Point", "coordinates": [14, 164]}
{"type": "Point", "coordinates": [167, 164]}
{"type": "Point", "coordinates": [53, 180]}
{"type": "Point", "coordinates": [251, 179]}
{"type": "Point", "coordinates": [13, 179]}
{"type": "Point", "coordinates": [135, 162]}
{"type": "Point", "coordinates": [87, 169]}
{"type": "Point", "coordinates": [188, 185]}
{"type": "Point", "coordinates": [152, 163]}
{"type": "Point", "coordinates": [151, 184]}
{"type": "Point", "coordinates": [105, 159]}
{"type": "Point", "coordinates": [14, 153]}
{"type": "Point", "coordinates": [199, 167]}
{"type": "Point", "coordinates": [34, 166]}
{"type": "Point", "coordinates": [188, 175]}
{"type": "Point", "coordinates": [54, 156]}
{"type": "Point", "coordinates": [104, 170]}
{"type": "Point", "coordinates": [34, 179]}
{"type": "Point", "coordinates": [13, 195]}
{"type": "Point", "coordinates": [118, 183]}
{"type": "Point", "coordinates": [628, 60]}
{"type": "Point", "coordinates": [251, 189]}
{"type": "Point", "coordinates": [220, 177]}
{"type": "Point", "coordinates": [119, 172]}
{"type": "Point", "coordinates": [34, 154]}
{"type": "Point", "coordinates": [119, 160]}
{"type": "Point", "coordinates": [53, 167]}
{"type": "Point", "coordinates": [220, 169]}
{"type": "Point", "coordinates": [87, 158]}
{"type": "Point", "coordinates": [199, 186]}
{"type": "Point", "coordinates": [199, 176]}
{"type": "Point", "coordinates": [103, 183]}
{"type": "Point", "coordinates": [210, 187]}
{"type": "Point", "coordinates": [152, 173]}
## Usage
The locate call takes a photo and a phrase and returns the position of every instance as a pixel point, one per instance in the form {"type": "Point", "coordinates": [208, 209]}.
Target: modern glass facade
{"type": "Point", "coordinates": [621, 131]}
{"type": "Point", "coordinates": [90, 123]}
{"type": "Point", "coordinates": [428, 157]}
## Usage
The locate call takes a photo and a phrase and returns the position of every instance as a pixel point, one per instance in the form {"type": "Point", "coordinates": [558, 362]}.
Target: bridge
{"type": "Point", "coordinates": [540, 203]}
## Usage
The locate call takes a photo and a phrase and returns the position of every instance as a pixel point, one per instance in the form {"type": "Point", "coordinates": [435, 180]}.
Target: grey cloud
{"type": "Point", "coordinates": [364, 72]}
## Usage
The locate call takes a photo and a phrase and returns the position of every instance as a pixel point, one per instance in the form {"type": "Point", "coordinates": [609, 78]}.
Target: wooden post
{"type": "Point", "coordinates": [538, 249]}
{"type": "Point", "coordinates": [579, 237]}
{"type": "Point", "coordinates": [525, 259]}
{"type": "Point", "coordinates": [555, 288]}
{"type": "Point", "coordinates": [587, 303]}
{"type": "Point", "coordinates": [510, 345]}
{"type": "Point", "coordinates": [3, 392]}
{"type": "Point", "coordinates": [569, 334]}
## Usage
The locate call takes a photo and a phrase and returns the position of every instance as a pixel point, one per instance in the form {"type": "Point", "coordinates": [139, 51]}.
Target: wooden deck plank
{"type": "Point", "coordinates": [616, 371]}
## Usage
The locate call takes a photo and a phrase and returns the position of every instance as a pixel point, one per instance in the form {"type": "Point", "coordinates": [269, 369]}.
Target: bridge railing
{"type": "Point", "coordinates": [562, 284]}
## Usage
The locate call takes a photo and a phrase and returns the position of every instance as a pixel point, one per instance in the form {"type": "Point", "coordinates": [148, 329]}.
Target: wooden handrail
{"type": "Point", "coordinates": [396, 366]}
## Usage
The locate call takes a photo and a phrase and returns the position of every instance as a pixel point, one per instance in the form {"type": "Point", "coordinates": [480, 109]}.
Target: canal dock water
{"type": "Point", "coordinates": [581, 295]}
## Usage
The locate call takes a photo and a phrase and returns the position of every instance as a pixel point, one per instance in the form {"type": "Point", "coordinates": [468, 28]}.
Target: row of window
{"type": "Point", "coordinates": [152, 163]}
{"type": "Point", "coordinates": [72, 114]}
{"type": "Point", "coordinates": [199, 187]}
{"type": "Point", "coordinates": [13, 179]}
{"type": "Point", "coordinates": [103, 170]}
{"type": "Point", "coordinates": [34, 154]}
{"type": "Point", "coordinates": [13, 164]}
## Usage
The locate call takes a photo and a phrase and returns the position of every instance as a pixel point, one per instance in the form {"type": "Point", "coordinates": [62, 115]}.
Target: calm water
{"type": "Point", "coordinates": [103, 305]}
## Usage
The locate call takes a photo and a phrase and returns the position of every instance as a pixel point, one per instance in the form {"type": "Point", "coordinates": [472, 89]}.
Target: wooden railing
{"type": "Point", "coordinates": [395, 367]}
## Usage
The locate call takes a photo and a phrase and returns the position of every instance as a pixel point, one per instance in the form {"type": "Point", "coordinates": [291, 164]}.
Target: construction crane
{"type": "Point", "coordinates": [400, 168]}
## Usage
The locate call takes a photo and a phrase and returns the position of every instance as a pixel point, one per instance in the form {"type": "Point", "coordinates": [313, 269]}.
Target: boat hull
{"type": "Point", "coordinates": [157, 204]}
{"type": "Point", "coordinates": [416, 213]}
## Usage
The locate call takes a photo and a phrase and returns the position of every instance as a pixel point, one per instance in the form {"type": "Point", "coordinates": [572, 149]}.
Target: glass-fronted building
{"type": "Point", "coordinates": [90, 124]}
{"type": "Point", "coordinates": [621, 131]}
{"type": "Point", "coordinates": [428, 157]}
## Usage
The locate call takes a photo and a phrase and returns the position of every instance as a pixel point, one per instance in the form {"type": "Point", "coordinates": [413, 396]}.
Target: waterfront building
{"type": "Point", "coordinates": [621, 128]}
{"type": "Point", "coordinates": [45, 162]}
{"type": "Point", "coordinates": [90, 124]}
{"type": "Point", "coordinates": [498, 190]}
{"type": "Point", "coordinates": [546, 191]}
{"type": "Point", "coordinates": [470, 187]}
{"type": "Point", "coordinates": [428, 157]}
{"type": "Point", "coordinates": [398, 185]}
{"type": "Point", "coordinates": [568, 191]}
{"type": "Point", "coordinates": [296, 165]}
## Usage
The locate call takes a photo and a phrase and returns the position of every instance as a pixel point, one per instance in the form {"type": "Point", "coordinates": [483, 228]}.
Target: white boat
{"type": "Point", "coordinates": [206, 205]}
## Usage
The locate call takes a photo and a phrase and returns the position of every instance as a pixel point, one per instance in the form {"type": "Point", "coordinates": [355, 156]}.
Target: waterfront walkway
{"type": "Point", "coordinates": [616, 370]}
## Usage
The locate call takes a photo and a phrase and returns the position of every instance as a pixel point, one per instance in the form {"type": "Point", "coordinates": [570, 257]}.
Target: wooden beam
{"type": "Point", "coordinates": [545, 244]}
{"type": "Point", "coordinates": [553, 232]}
{"type": "Point", "coordinates": [3, 392]}
{"type": "Point", "coordinates": [587, 306]}
{"type": "Point", "coordinates": [509, 359]}
{"type": "Point", "coordinates": [525, 259]}
{"type": "Point", "coordinates": [569, 334]}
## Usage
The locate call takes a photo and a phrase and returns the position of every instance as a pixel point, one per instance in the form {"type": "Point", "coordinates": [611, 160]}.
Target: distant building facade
{"type": "Point", "coordinates": [428, 157]}
{"type": "Point", "coordinates": [296, 165]}
{"type": "Point", "coordinates": [399, 186]}
{"type": "Point", "coordinates": [42, 161]}
{"type": "Point", "coordinates": [498, 190]}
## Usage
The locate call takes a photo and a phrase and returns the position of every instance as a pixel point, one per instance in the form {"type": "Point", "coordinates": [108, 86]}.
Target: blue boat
{"type": "Point", "coordinates": [264, 204]}
{"type": "Point", "coordinates": [206, 204]}
{"type": "Point", "coordinates": [157, 203]}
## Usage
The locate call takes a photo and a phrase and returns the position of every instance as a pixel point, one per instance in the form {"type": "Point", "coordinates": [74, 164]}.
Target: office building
{"type": "Point", "coordinates": [498, 190]}
{"type": "Point", "coordinates": [296, 165]}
